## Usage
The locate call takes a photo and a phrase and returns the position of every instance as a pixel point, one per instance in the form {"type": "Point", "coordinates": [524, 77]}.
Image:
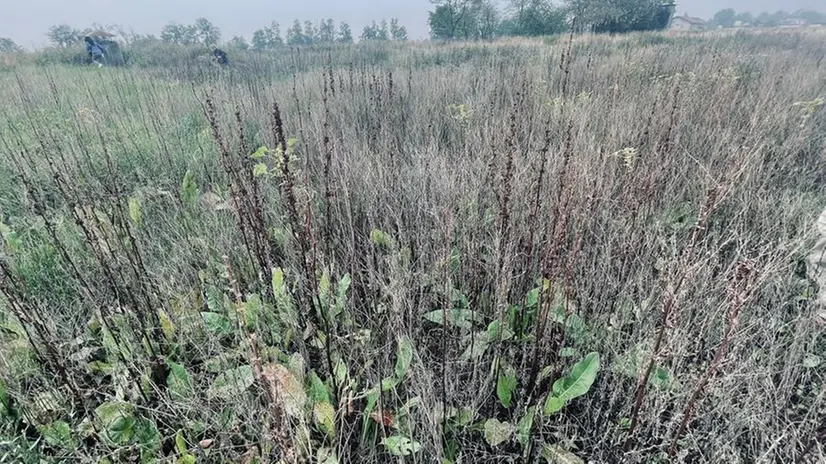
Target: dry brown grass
{"type": "Point", "coordinates": [664, 185]}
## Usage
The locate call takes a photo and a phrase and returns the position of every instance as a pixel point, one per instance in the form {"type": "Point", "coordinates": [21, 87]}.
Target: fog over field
{"type": "Point", "coordinates": [26, 22]}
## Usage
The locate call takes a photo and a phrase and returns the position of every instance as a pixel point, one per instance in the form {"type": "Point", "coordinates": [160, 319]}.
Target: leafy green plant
{"type": "Point", "coordinates": [506, 385]}
{"type": "Point", "coordinates": [58, 434]}
{"type": "Point", "coordinates": [497, 432]}
{"type": "Point", "coordinates": [179, 381]}
{"type": "Point", "coordinates": [231, 383]}
{"type": "Point", "coordinates": [117, 421]}
{"type": "Point", "coordinates": [398, 445]}
{"type": "Point", "coordinates": [573, 385]}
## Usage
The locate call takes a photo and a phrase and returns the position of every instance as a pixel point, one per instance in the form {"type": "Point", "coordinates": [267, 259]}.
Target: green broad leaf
{"type": "Point", "coordinates": [109, 413]}
{"type": "Point", "coordinates": [555, 454]}
{"type": "Point", "coordinates": [575, 328]}
{"type": "Point", "coordinates": [231, 383]}
{"type": "Point", "coordinates": [568, 353]}
{"type": "Point", "coordinates": [341, 372]}
{"type": "Point", "coordinates": [532, 298]}
{"type": "Point", "coordinates": [660, 378]}
{"type": "Point", "coordinates": [58, 434]}
{"type": "Point", "coordinates": [497, 432]}
{"type": "Point", "coordinates": [404, 356]}
{"type": "Point", "coordinates": [283, 301]}
{"type": "Point", "coordinates": [296, 366]}
{"type": "Point", "coordinates": [574, 385]}
{"type": "Point", "coordinates": [258, 154]}
{"type": "Point", "coordinates": [399, 445]}
{"type": "Point", "coordinates": [253, 310]}
{"type": "Point", "coordinates": [216, 323]}
{"type": "Point", "coordinates": [389, 383]}
{"type": "Point", "coordinates": [178, 381]}
{"type": "Point", "coordinates": [405, 412]}
{"type": "Point", "coordinates": [464, 417]}
{"type": "Point", "coordinates": [278, 287]}
{"type": "Point", "coordinates": [341, 294]}
{"type": "Point", "coordinates": [291, 142]}
{"type": "Point", "coordinates": [523, 428]}
{"type": "Point", "coordinates": [5, 404]}
{"type": "Point", "coordinates": [318, 391]}
{"type": "Point", "coordinates": [189, 189]}
{"type": "Point", "coordinates": [380, 238]}
{"type": "Point", "coordinates": [135, 211]}
{"type": "Point", "coordinates": [325, 418]}
{"type": "Point", "coordinates": [494, 332]}
{"type": "Point", "coordinates": [260, 169]}
{"type": "Point", "coordinates": [462, 318]}
{"type": "Point", "coordinates": [624, 423]}
{"type": "Point", "coordinates": [186, 459]}
{"type": "Point", "coordinates": [505, 386]}
{"type": "Point", "coordinates": [121, 430]}
{"type": "Point", "coordinates": [167, 325]}
{"type": "Point", "coordinates": [372, 397]}
{"type": "Point", "coordinates": [180, 443]}
{"type": "Point", "coordinates": [149, 439]}
{"type": "Point", "coordinates": [476, 346]}
{"type": "Point", "coordinates": [554, 404]}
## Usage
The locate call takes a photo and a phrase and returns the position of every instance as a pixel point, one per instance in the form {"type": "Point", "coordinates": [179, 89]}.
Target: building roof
{"type": "Point", "coordinates": [691, 20]}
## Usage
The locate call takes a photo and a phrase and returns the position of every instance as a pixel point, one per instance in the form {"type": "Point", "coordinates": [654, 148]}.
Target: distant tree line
{"type": "Point", "coordinates": [8, 46]}
{"type": "Point", "coordinates": [203, 32]}
{"type": "Point", "coordinates": [730, 18]}
{"type": "Point", "coordinates": [448, 20]}
{"type": "Point", "coordinates": [64, 35]}
{"type": "Point", "coordinates": [324, 32]}
{"type": "Point", "coordinates": [483, 19]}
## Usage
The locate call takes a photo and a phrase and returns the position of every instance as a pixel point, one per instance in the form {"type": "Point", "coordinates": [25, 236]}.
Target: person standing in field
{"type": "Point", "coordinates": [220, 56]}
{"type": "Point", "coordinates": [95, 51]}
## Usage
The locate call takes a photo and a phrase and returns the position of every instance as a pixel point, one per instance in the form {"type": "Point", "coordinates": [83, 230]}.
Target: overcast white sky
{"type": "Point", "coordinates": [26, 21]}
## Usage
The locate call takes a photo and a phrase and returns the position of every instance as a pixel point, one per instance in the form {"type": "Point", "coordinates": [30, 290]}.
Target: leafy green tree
{"type": "Point", "coordinates": [744, 18]}
{"type": "Point", "coordinates": [489, 20]}
{"type": "Point", "coordinates": [767, 19]}
{"type": "Point", "coordinates": [179, 34]}
{"type": "Point", "coordinates": [811, 16]}
{"type": "Point", "coordinates": [345, 34]}
{"type": "Point", "coordinates": [64, 35]}
{"type": "Point", "coordinates": [725, 18]}
{"type": "Point", "coordinates": [618, 16]}
{"type": "Point", "coordinates": [397, 31]}
{"type": "Point", "coordinates": [8, 46]}
{"type": "Point", "coordinates": [238, 43]}
{"type": "Point", "coordinates": [268, 38]}
{"type": "Point", "coordinates": [310, 35]}
{"type": "Point", "coordinates": [534, 18]}
{"type": "Point", "coordinates": [206, 33]}
{"type": "Point", "coordinates": [372, 32]}
{"type": "Point", "coordinates": [456, 19]}
{"type": "Point", "coordinates": [296, 35]}
{"type": "Point", "coordinates": [383, 31]}
{"type": "Point", "coordinates": [326, 31]}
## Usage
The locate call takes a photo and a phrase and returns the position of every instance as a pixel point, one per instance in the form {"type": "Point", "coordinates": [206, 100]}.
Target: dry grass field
{"type": "Point", "coordinates": [574, 249]}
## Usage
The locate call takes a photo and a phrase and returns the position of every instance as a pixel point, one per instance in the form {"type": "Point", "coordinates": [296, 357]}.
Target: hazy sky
{"type": "Point", "coordinates": [26, 21]}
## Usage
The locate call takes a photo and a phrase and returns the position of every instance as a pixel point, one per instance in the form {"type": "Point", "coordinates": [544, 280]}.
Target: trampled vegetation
{"type": "Point", "coordinates": [583, 249]}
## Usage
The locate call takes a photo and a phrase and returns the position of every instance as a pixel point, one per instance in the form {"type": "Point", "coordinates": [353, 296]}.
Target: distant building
{"type": "Point", "coordinates": [687, 23]}
{"type": "Point", "coordinates": [793, 22]}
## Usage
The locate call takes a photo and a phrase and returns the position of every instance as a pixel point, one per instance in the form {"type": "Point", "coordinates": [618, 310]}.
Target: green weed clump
{"type": "Point", "coordinates": [582, 249]}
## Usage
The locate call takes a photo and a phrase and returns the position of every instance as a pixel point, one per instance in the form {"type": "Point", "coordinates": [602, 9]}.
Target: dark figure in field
{"type": "Point", "coordinates": [95, 51]}
{"type": "Point", "coordinates": [220, 56]}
